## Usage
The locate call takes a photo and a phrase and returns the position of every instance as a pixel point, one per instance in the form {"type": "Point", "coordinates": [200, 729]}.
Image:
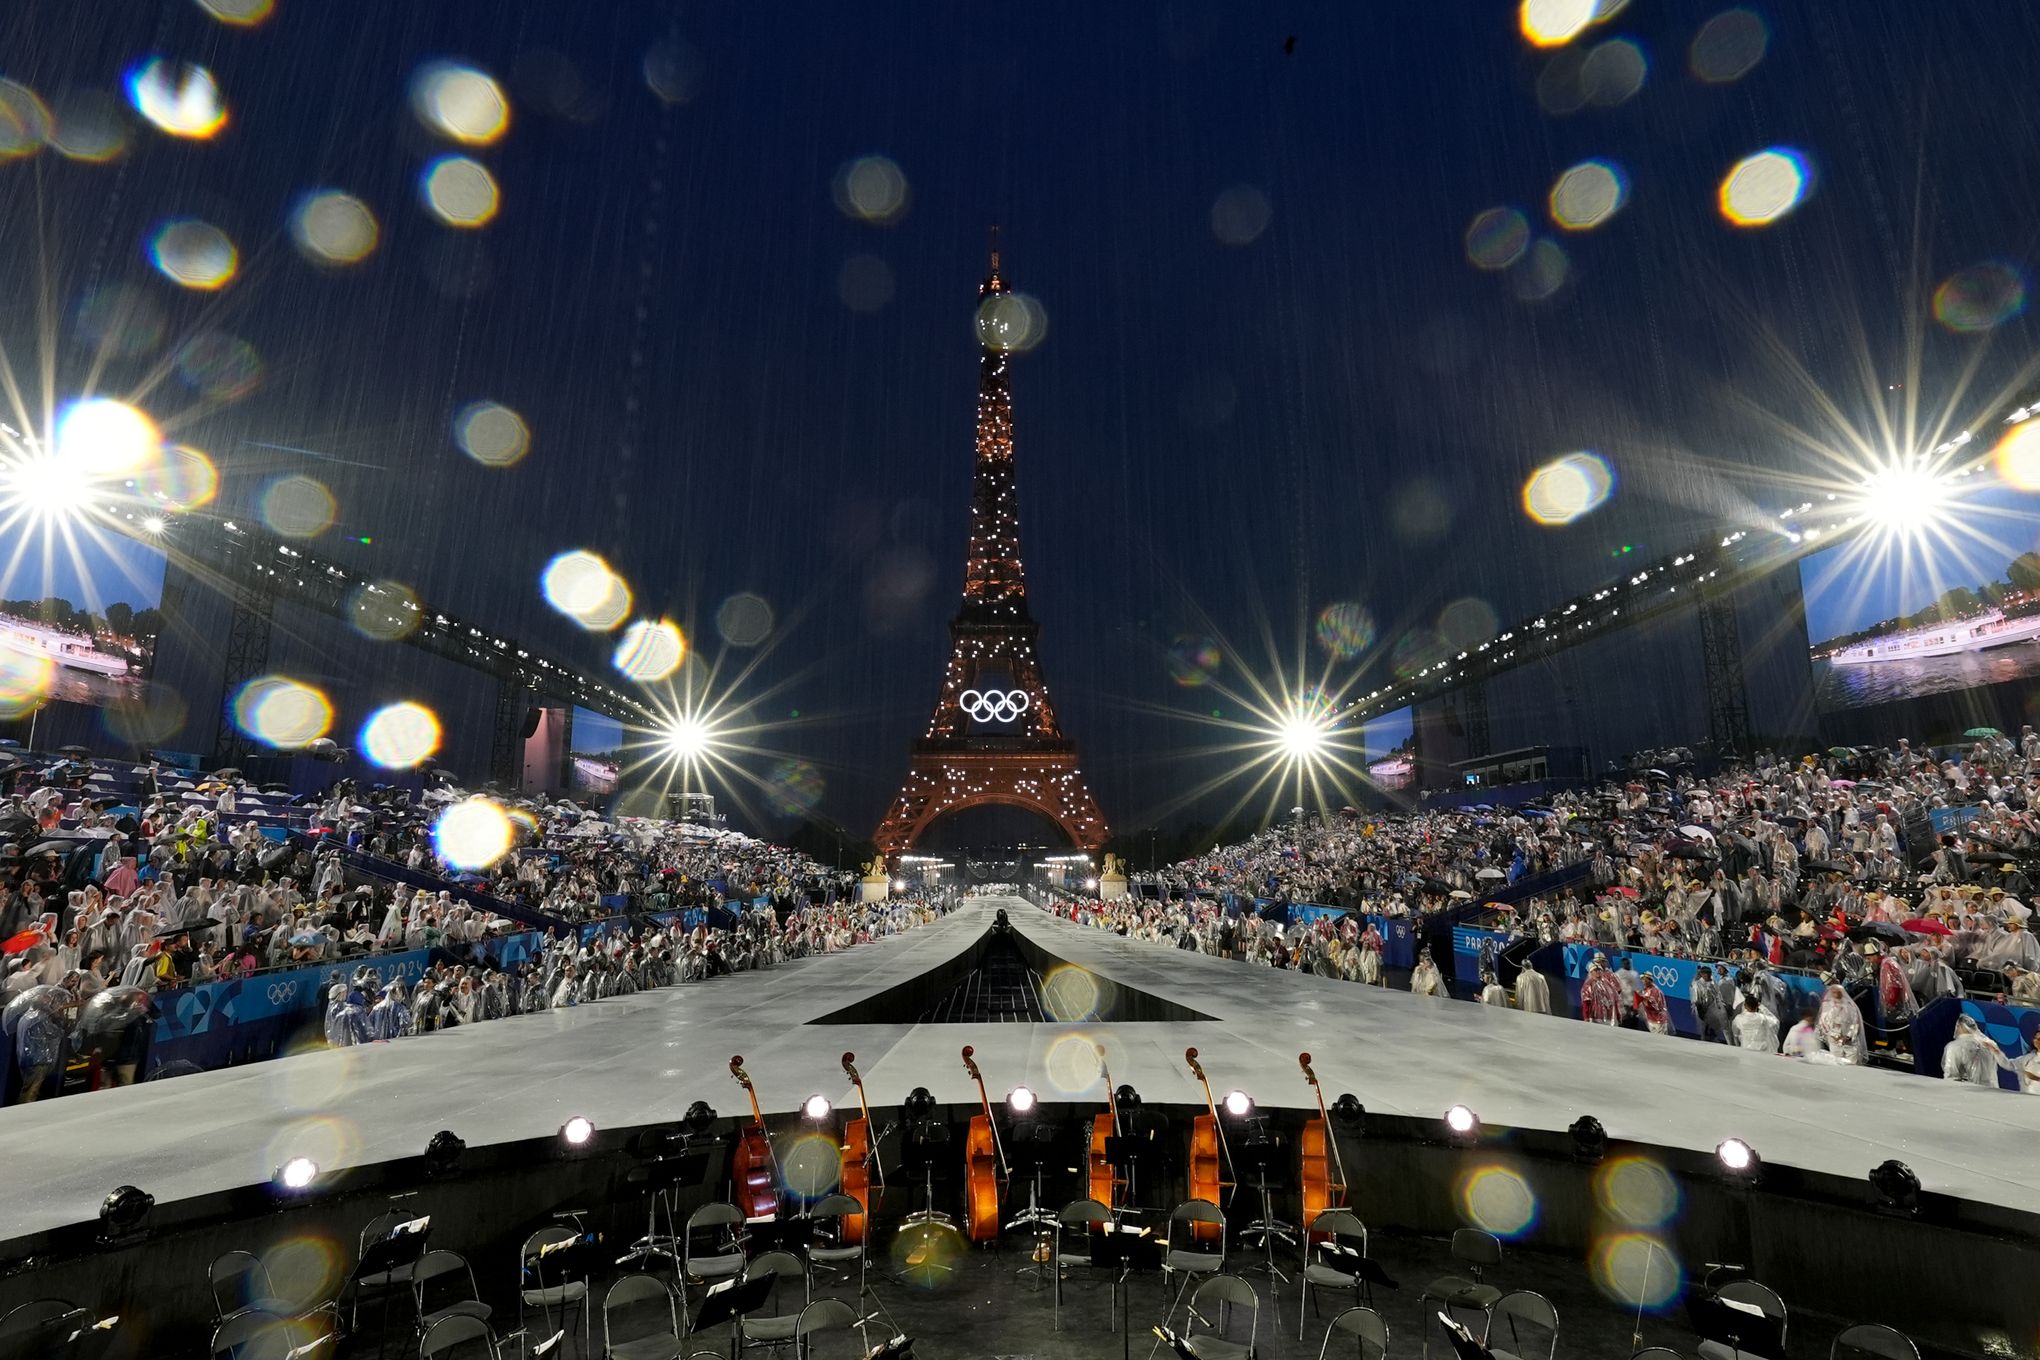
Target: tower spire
{"type": "Point", "coordinates": [993, 283]}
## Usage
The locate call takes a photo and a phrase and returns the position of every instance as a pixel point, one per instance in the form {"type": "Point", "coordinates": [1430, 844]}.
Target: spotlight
{"type": "Point", "coordinates": [1090, 885]}
{"type": "Point", "coordinates": [1461, 1124]}
{"type": "Point", "coordinates": [1238, 1104]}
{"type": "Point", "coordinates": [685, 738]}
{"type": "Point", "coordinates": [1589, 1139]}
{"type": "Point", "coordinates": [919, 1104]}
{"type": "Point", "coordinates": [1898, 1189]}
{"type": "Point", "coordinates": [153, 524]}
{"type": "Point", "coordinates": [442, 1154]}
{"type": "Point", "coordinates": [577, 1131]}
{"type": "Point", "coordinates": [123, 1212]}
{"type": "Point", "coordinates": [1739, 1158]}
{"type": "Point", "coordinates": [1348, 1110]}
{"type": "Point", "coordinates": [297, 1174]}
{"type": "Point", "coordinates": [1020, 1100]}
{"type": "Point", "coordinates": [699, 1117]}
{"type": "Point", "coordinates": [1128, 1098]}
{"type": "Point", "coordinates": [816, 1108]}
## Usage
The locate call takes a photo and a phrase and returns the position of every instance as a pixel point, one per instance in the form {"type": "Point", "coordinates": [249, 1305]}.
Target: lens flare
{"type": "Point", "coordinates": [459, 103]}
{"type": "Point", "coordinates": [298, 507]}
{"type": "Point", "coordinates": [1497, 238]}
{"type": "Point", "coordinates": [1980, 298]}
{"type": "Point", "coordinates": [865, 283]}
{"type": "Point", "coordinates": [2017, 456]}
{"type": "Point", "coordinates": [1069, 994]}
{"type": "Point", "coordinates": [1072, 1063]}
{"type": "Point", "coordinates": [387, 611]}
{"type": "Point", "coordinates": [25, 121]}
{"type": "Point", "coordinates": [1012, 322]}
{"type": "Point", "coordinates": [180, 99]}
{"type": "Point", "coordinates": [179, 478]}
{"type": "Point", "coordinates": [333, 228]}
{"type": "Point", "coordinates": [1568, 487]}
{"type": "Point", "coordinates": [121, 322]}
{"type": "Point", "coordinates": [872, 190]}
{"type": "Point", "coordinates": [306, 1267]}
{"type": "Point", "coordinates": [25, 681]}
{"type": "Point", "coordinates": [811, 1165]}
{"type": "Point", "coordinates": [1553, 23]}
{"type": "Point", "coordinates": [218, 366]}
{"type": "Point", "coordinates": [1498, 1200]}
{"type": "Point", "coordinates": [1466, 622]}
{"type": "Point", "coordinates": [1240, 215]}
{"type": "Point", "coordinates": [1766, 187]}
{"type": "Point", "coordinates": [1728, 47]}
{"type": "Point", "coordinates": [281, 712]}
{"type": "Point", "coordinates": [461, 192]}
{"type": "Point", "coordinates": [1905, 501]}
{"type": "Point", "coordinates": [1193, 660]}
{"type": "Point", "coordinates": [193, 254]}
{"type": "Point", "coordinates": [473, 834]}
{"type": "Point", "coordinates": [1636, 1192]}
{"type": "Point", "coordinates": [1613, 73]}
{"type": "Point", "coordinates": [650, 650]}
{"type": "Point", "coordinates": [1345, 630]}
{"type": "Point", "coordinates": [1540, 273]}
{"type": "Point", "coordinates": [150, 719]}
{"type": "Point", "coordinates": [398, 736]}
{"type": "Point", "coordinates": [581, 585]}
{"type": "Point", "coordinates": [744, 620]}
{"type": "Point", "coordinates": [1637, 1270]}
{"type": "Point", "coordinates": [88, 126]}
{"type": "Point", "coordinates": [491, 434]}
{"type": "Point", "coordinates": [674, 71]}
{"type": "Point", "coordinates": [101, 437]}
{"type": "Point", "coordinates": [793, 787]}
{"type": "Point", "coordinates": [239, 14]}
{"type": "Point", "coordinates": [1588, 194]}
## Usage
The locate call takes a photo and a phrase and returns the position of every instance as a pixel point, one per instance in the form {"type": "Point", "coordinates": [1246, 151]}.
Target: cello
{"type": "Point", "coordinates": [1315, 1172]}
{"type": "Point", "coordinates": [859, 1159]}
{"type": "Point", "coordinates": [754, 1172]}
{"type": "Point", "coordinates": [1104, 1185]}
{"type": "Point", "coordinates": [984, 1164]}
{"type": "Point", "coordinates": [1207, 1145]}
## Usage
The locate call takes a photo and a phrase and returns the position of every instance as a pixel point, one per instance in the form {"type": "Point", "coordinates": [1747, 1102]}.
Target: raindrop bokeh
{"type": "Point", "coordinates": [281, 712]}
{"type": "Point", "coordinates": [473, 833]}
{"type": "Point", "coordinates": [1541, 272]}
{"type": "Point", "coordinates": [1981, 297]}
{"type": "Point", "coordinates": [1192, 660]}
{"type": "Point", "coordinates": [492, 434]}
{"type": "Point", "coordinates": [460, 191]}
{"type": "Point", "coordinates": [25, 681]}
{"type": "Point", "coordinates": [1497, 238]}
{"type": "Point", "coordinates": [180, 99]}
{"type": "Point", "coordinates": [1013, 322]}
{"type": "Point", "coordinates": [1588, 194]}
{"type": "Point", "coordinates": [399, 736]}
{"type": "Point", "coordinates": [1239, 215]}
{"type": "Point", "coordinates": [674, 71]}
{"type": "Point", "coordinates": [178, 478]}
{"type": "Point", "coordinates": [387, 611]}
{"type": "Point", "coordinates": [793, 787]}
{"type": "Point", "coordinates": [650, 649]}
{"type": "Point", "coordinates": [865, 283]}
{"type": "Point", "coordinates": [297, 506]}
{"type": "Point", "coordinates": [1498, 1200]}
{"type": "Point", "coordinates": [1760, 189]}
{"type": "Point", "coordinates": [25, 121]}
{"type": "Point", "coordinates": [2017, 456]}
{"type": "Point", "coordinates": [101, 437]}
{"type": "Point", "coordinates": [1568, 487]}
{"type": "Point", "coordinates": [744, 619]}
{"type": "Point", "coordinates": [872, 190]}
{"type": "Point", "coordinates": [1551, 23]}
{"type": "Point", "coordinates": [460, 103]}
{"type": "Point", "coordinates": [581, 585]}
{"type": "Point", "coordinates": [219, 366]}
{"type": "Point", "coordinates": [238, 13]}
{"type": "Point", "coordinates": [121, 322]}
{"type": "Point", "coordinates": [194, 254]}
{"type": "Point", "coordinates": [1345, 629]}
{"type": "Point", "coordinates": [1465, 623]}
{"type": "Point", "coordinates": [1728, 46]}
{"type": "Point", "coordinates": [88, 125]}
{"type": "Point", "coordinates": [334, 228]}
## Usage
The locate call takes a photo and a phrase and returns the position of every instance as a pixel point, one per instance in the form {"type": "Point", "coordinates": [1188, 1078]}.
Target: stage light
{"type": "Point", "coordinates": [1903, 500]}
{"type": "Point", "coordinates": [577, 1131]}
{"type": "Point", "coordinates": [1238, 1104]}
{"type": "Point", "coordinates": [123, 1212]}
{"type": "Point", "coordinates": [685, 737]}
{"type": "Point", "coordinates": [1898, 1189]}
{"type": "Point", "coordinates": [1348, 1111]}
{"type": "Point", "coordinates": [153, 524]}
{"type": "Point", "coordinates": [1462, 1124]}
{"type": "Point", "coordinates": [1739, 1158]}
{"type": "Point", "coordinates": [700, 1117]}
{"type": "Point", "coordinates": [297, 1174]}
{"type": "Point", "coordinates": [1128, 1098]}
{"type": "Point", "coordinates": [816, 1108]}
{"type": "Point", "coordinates": [919, 1104]}
{"type": "Point", "coordinates": [1303, 733]}
{"type": "Point", "coordinates": [899, 885]}
{"type": "Point", "coordinates": [1589, 1139]}
{"type": "Point", "coordinates": [442, 1154]}
{"type": "Point", "coordinates": [1020, 1100]}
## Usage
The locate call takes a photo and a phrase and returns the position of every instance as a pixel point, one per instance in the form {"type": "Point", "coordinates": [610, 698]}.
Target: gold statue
{"type": "Point", "coordinates": [875, 869]}
{"type": "Point", "coordinates": [1114, 867]}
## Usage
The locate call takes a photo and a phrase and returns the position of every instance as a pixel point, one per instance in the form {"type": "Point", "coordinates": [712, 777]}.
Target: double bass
{"type": "Point", "coordinates": [754, 1171]}
{"type": "Point", "coordinates": [859, 1161]}
{"type": "Point", "coordinates": [984, 1164]}
{"type": "Point", "coordinates": [1104, 1185]}
{"type": "Point", "coordinates": [1207, 1146]}
{"type": "Point", "coordinates": [1316, 1172]}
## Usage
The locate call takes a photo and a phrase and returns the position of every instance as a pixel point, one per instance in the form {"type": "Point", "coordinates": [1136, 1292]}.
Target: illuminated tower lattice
{"type": "Point", "coordinates": [993, 737]}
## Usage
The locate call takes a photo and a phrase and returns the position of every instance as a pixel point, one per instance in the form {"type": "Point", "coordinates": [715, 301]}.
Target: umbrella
{"type": "Point", "coordinates": [1925, 925]}
{"type": "Point", "coordinates": [74, 750]}
{"type": "Point", "coordinates": [1657, 774]}
{"type": "Point", "coordinates": [1989, 857]}
{"type": "Point", "coordinates": [1460, 895]}
{"type": "Point", "coordinates": [203, 923]}
{"type": "Point", "coordinates": [1698, 833]}
{"type": "Point", "coordinates": [1843, 751]}
{"type": "Point", "coordinates": [1841, 783]}
{"type": "Point", "coordinates": [230, 772]}
{"type": "Point", "coordinates": [47, 999]}
{"type": "Point", "coordinates": [1877, 930]}
{"type": "Point", "coordinates": [308, 938]}
{"type": "Point", "coordinates": [15, 944]}
{"type": "Point", "coordinates": [1491, 874]}
{"type": "Point", "coordinates": [1972, 732]}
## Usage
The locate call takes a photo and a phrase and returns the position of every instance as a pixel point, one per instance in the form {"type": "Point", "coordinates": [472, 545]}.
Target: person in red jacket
{"type": "Point", "coordinates": [1600, 993]}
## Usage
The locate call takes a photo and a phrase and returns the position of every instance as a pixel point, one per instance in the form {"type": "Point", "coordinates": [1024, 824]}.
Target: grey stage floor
{"type": "Point", "coordinates": [645, 1058]}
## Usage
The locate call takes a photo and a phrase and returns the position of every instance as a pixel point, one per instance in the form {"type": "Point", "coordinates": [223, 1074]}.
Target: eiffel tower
{"type": "Point", "coordinates": [993, 738]}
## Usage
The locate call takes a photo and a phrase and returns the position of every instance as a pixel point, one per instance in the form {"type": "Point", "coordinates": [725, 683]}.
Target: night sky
{"type": "Point", "coordinates": [1272, 380]}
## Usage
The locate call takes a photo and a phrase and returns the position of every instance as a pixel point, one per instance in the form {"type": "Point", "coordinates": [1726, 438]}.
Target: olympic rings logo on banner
{"type": "Point", "coordinates": [280, 992]}
{"type": "Point", "coordinates": [995, 705]}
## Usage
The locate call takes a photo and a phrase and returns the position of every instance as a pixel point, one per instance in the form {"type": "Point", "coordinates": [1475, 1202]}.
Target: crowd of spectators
{"type": "Point", "coordinates": [1828, 866]}
{"type": "Point", "coordinates": [191, 884]}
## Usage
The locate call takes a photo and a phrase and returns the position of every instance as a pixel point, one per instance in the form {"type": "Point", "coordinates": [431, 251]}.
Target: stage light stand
{"type": "Point", "coordinates": [1258, 1145]}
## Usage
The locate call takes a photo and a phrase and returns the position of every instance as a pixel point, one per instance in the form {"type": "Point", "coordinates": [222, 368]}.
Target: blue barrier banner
{"type": "Point", "coordinates": [1398, 941]}
{"type": "Point", "coordinates": [1947, 819]}
{"type": "Point", "coordinates": [1309, 914]}
{"type": "Point", "coordinates": [2015, 1028]}
{"type": "Point", "coordinates": [1473, 950]}
{"type": "Point", "coordinates": [265, 996]}
{"type": "Point", "coordinates": [1674, 978]}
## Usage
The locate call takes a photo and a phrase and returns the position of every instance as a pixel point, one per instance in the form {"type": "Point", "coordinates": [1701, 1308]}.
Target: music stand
{"type": "Point", "coordinates": [400, 1251]}
{"type": "Point", "coordinates": [920, 1150]}
{"type": "Point", "coordinates": [1032, 1144]}
{"type": "Point", "coordinates": [1123, 1154]}
{"type": "Point", "coordinates": [1364, 1270]}
{"type": "Point", "coordinates": [786, 1232]}
{"type": "Point", "coordinates": [1744, 1328]}
{"type": "Point", "coordinates": [1258, 1148]}
{"type": "Point", "coordinates": [729, 1301]}
{"type": "Point", "coordinates": [663, 1179]}
{"type": "Point", "coordinates": [1123, 1251]}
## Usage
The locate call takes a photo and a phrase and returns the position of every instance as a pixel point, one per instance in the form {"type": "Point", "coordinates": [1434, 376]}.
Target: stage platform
{"type": "Point", "coordinates": [643, 1059]}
